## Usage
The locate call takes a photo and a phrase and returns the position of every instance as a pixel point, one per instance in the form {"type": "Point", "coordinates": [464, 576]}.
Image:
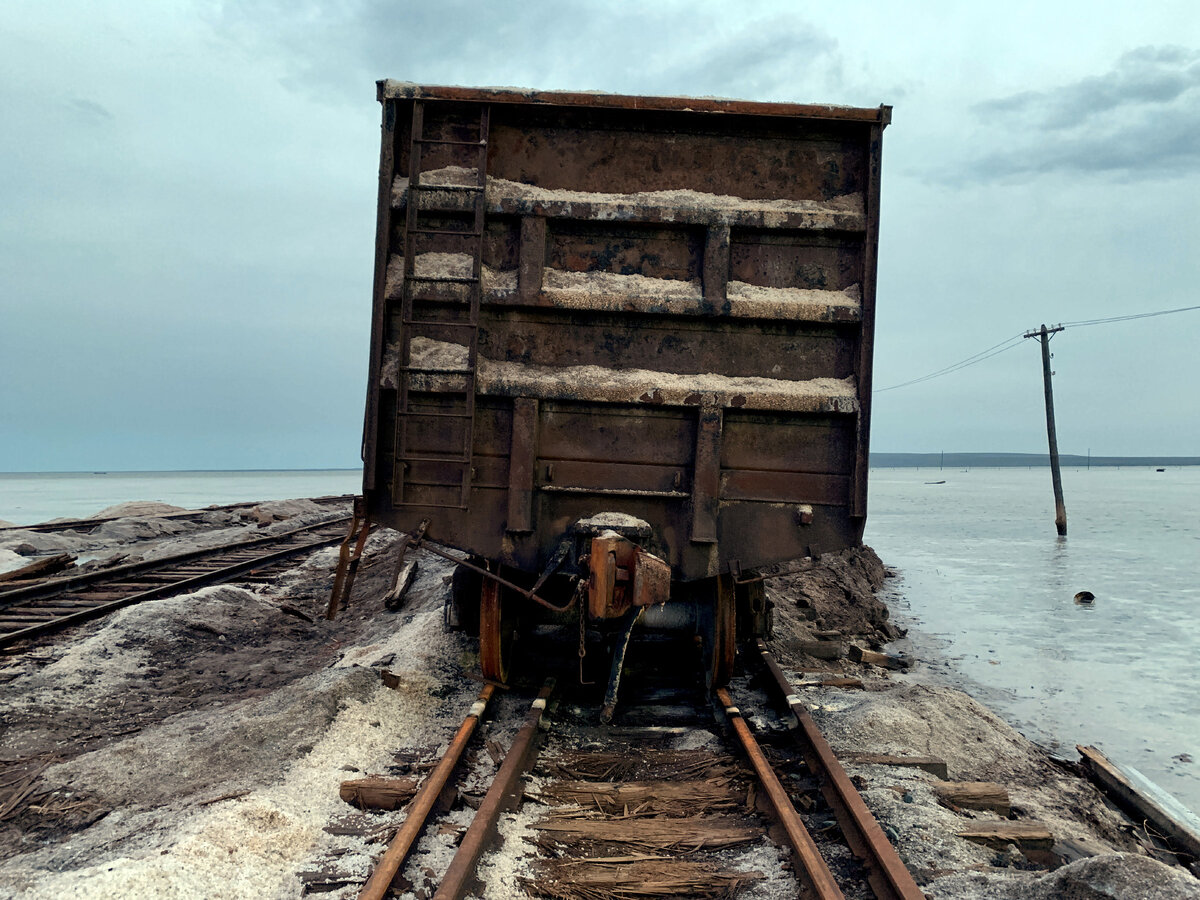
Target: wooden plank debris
{"type": "Point", "coordinates": [375, 792]}
{"type": "Point", "coordinates": [883, 660]}
{"type": "Point", "coordinates": [823, 649]}
{"type": "Point", "coordinates": [1024, 835]}
{"type": "Point", "coordinates": [696, 833]}
{"type": "Point", "coordinates": [974, 795]}
{"type": "Point", "coordinates": [1145, 802]}
{"type": "Point", "coordinates": [404, 579]}
{"type": "Point", "coordinates": [632, 877]}
{"type": "Point", "coordinates": [39, 567]}
{"type": "Point", "coordinates": [670, 798]}
{"type": "Point", "coordinates": [931, 764]}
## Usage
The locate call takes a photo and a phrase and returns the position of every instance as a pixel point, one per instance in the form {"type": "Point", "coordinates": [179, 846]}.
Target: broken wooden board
{"type": "Point", "coordinates": [669, 798]}
{"type": "Point", "coordinates": [931, 764]}
{"type": "Point", "coordinates": [823, 649]}
{"type": "Point", "coordinates": [1024, 835]}
{"type": "Point", "coordinates": [883, 660]}
{"type": "Point", "coordinates": [39, 567]}
{"type": "Point", "coordinates": [643, 764]}
{"type": "Point", "coordinates": [378, 793]}
{"type": "Point", "coordinates": [974, 795]}
{"type": "Point", "coordinates": [404, 579]}
{"type": "Point", "coordinates": [618, 878]}
{"type": "Point", "coordinates": [1144, 801]}
{"type": "Point", "coordinates": [695, 833]}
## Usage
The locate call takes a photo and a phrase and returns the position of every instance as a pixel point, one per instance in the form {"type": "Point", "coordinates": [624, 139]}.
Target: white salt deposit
{"type": "Point", "coordinates": [680, 205]}
{"type": "Point", "coordinates": [447, 265]}
{"type": "Point", "coordinates": [608, 283]}
{"type": "Point", "coordinates": [252, 846]}
{"type": "Point", "coordinates": [501, 870]}
{"type": "Point", "coordinates": [137, 508]}
{"type": "Point", "coordinates": [10, 560]}
{"type": "Point", "coordinates": [595, 383]}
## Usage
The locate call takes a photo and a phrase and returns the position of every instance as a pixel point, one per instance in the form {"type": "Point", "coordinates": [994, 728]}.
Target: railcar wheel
{"type": "Point", "coordinates": [497, 626]}
{"type": "Point", "coordinates": [719, 639]}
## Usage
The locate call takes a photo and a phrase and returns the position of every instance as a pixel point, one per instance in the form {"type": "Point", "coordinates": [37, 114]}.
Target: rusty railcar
{"type": "Point", "coordinates": [649, 318]}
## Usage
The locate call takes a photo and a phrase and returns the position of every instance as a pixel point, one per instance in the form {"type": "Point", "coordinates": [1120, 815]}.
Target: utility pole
{"type": "Point", "coordinates": [1060, 508]}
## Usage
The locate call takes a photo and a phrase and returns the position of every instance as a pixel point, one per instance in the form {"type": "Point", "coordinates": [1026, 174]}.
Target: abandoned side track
{"type": "Point", "coordinates": [49, 604]}
{"type": "Point", "coordinates": [611, 793]}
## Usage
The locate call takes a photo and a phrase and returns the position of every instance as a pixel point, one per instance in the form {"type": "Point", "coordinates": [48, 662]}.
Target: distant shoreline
{"type": "Point", "coordinates": [1020, 460]}
{"type": "Point", "coordinates": [178, 471]}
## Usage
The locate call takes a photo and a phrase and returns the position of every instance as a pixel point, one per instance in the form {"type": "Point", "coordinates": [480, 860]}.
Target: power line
{"type": "Point", "coordinates": [1015, 340]}
{"type": "Point", "coordinates": [994, 350]}
{"type": "Point", "coordinates": [1149, 315]}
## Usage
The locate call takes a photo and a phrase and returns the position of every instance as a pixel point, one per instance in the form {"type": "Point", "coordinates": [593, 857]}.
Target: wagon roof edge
{"type": "Point", "coordinates": [390, 89]}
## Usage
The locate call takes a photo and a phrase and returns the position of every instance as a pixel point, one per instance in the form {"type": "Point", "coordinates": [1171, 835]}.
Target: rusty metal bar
{"type": "Point", "coordinates": [527, 594]}
{"type": "Point", "coordinates": [422, 804]}
{"type": "Point", "coordinates": [706, 482]}
{"type": "Point", "coordinates": [521, 461]}
{"type": "Point", "coordinates": [716, 266]}
{"type": "Point", "coordinates": [503, 792]}
{"type": "Point", "coordinates": [339, 576]}
{"type": "Point", "coordinates": [819, 876]}
{"type": "Point", "coordinates": [532, 256]}
{"type": "Point", "coordinates": [887, 875]}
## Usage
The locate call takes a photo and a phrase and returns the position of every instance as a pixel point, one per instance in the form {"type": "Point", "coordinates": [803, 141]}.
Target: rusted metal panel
{"type": "Point", "coordinates": [521, 463]}
{"type": "Point", "coordinates": [866, 342]}
{"type": "Point", "coordinates": [706, 487]}
{"type": "Point", "coordinates": [383, 212]}
{"type": "Point", "coordinates": [532, 256]}
{"type": "Point", "coordinates": [685, 293]}
{"type": "Point", "coordinates": [716, 265]}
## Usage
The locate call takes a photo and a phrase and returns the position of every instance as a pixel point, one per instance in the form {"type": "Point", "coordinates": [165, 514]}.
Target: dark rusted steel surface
{"type": "Point", "coordinates": [887, 875]}
{"type": "Point", "coordinates": [380, 882]}
{"type": "Point", "coordinates": [661, 307]}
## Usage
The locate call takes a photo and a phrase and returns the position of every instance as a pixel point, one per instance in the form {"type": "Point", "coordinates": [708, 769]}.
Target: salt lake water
{"type": "Point", "coordinates": [30, 497]}
{"type": "Point", "coordinates": [985, 575]}
{"type": "Point", "coordinates": [984, 578]}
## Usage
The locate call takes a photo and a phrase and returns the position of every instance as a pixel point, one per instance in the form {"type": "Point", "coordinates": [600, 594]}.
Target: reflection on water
{"type": "Point", "coordinates": [985, 571]}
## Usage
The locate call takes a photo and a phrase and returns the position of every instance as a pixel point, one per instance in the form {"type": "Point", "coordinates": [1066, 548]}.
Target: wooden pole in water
{"type": "Point", "coordinates": [1060, 508]}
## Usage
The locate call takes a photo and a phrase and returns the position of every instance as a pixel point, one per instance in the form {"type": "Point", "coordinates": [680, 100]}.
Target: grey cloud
{"type": "Point", "coordinates": [89, 110]}
{"type": "Point", "coordinates": [1138, 121]}
{"type": "Point", "coordinates": [1147, 75]}
{"type": "Point", "coordinates": [335, 50]}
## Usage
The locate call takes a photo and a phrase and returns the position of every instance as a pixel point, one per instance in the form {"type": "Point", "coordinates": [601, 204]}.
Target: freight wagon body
{"type": "Point", "coordinates": [655, 310]}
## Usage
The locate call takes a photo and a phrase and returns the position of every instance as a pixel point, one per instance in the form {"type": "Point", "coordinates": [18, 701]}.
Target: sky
{"type": "Point", "coordinates": [187, 206]}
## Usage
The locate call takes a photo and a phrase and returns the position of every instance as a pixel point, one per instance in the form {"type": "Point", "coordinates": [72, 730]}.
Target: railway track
{"type": "Point", "coordinates": [49, 604]}
{"type": "Point", "coordinates": [660, 803]}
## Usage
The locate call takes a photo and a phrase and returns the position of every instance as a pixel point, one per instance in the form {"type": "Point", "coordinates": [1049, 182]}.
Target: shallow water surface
{"type": "Point", "coordinates": [30, 497]}
{"type": "Point", "coordinates": [984, 572]}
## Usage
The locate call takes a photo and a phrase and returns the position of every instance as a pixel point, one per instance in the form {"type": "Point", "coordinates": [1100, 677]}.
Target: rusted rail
{"type": "Point", "coordinates": [816, 872]}
{"type": "Point", "coordinates": [502, 793]}
{"type": "Point", "coordinates": [422, 804]}
{"type": "Point", "coordinates": [886, 874]}
{"type": "Point", "coordinates": [55, 603]}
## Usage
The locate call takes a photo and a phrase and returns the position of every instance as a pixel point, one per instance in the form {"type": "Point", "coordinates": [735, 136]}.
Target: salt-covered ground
{"type": "Point", "coordinates": [194, 745]}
